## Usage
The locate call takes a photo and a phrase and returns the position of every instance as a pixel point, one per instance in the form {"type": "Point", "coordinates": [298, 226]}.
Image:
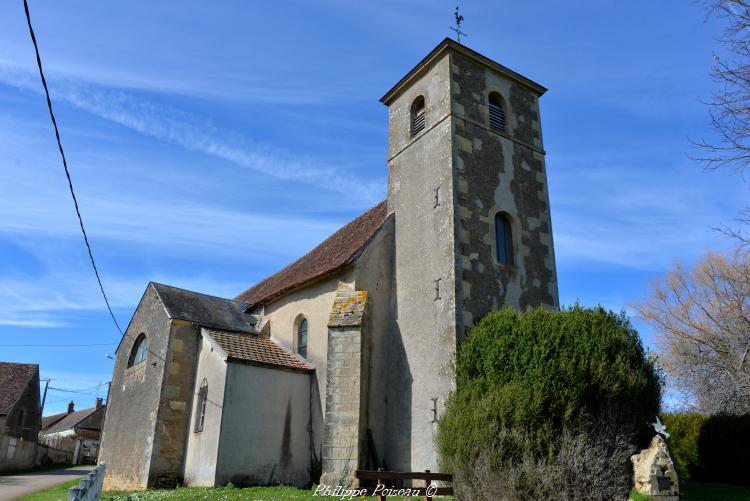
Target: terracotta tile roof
{"type": "Point", "coordinates": [257, 350]}
{"type": "Point", "coordinates": [14, 379]}
{"type": "Point", "coordinates": [338, 250]}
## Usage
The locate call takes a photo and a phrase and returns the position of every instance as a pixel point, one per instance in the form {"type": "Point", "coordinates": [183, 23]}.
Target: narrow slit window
{"type": "Point", "coordinates": [497, 112]}
{"type": "Point", "coordinates": [417, 116]}
{"type": "Point", "coordinates": [200, 409]}
{"type": "Point", "coordinates": [503, 239]}
{"type": "Point", "coordinates": [302, 338]}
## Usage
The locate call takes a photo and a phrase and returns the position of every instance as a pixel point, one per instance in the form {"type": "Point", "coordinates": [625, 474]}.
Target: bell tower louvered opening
{"type": "Point", "coordinates": [417, 116]}
{"type": "Point", "coordinates": [497, 112]}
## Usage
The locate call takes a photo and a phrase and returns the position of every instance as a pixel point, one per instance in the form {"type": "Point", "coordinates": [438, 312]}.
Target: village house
{"type": "Point", "coordinates": [20, 415]}
{"type": "Point", "coordinates": [342, 360]}
{"type": "Point", "coordinates": [75, 432]}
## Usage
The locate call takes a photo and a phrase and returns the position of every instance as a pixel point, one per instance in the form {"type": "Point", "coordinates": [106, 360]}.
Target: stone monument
{"type": "Point", "coordinates": [655, 473]}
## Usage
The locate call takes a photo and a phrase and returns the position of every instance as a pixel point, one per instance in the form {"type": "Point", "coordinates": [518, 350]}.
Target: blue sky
{"type": "Point", "coordinates": [212, 143]}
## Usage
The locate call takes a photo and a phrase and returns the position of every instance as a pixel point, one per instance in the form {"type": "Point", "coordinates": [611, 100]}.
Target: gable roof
{"type": "Point", "coordinates": [14, 379]}
{"type": "Point", "coordinates": [71, 420]}
{"type": "Point", "coordinates": [205, 310]}
{"type": "Point", "coordinates": [257, 350]}
{"type": "Point", "coordinates": [337, 251]}
{"type": "Point", "coordinates": [48, 421]}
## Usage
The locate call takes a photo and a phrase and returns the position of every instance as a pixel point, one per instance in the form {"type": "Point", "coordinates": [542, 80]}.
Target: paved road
{"type": "Point", "coordinates": [14, 486]}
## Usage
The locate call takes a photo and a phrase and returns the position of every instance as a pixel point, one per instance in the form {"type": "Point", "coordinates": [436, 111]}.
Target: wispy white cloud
{"type": "Point", "coordinates": [195, 134]}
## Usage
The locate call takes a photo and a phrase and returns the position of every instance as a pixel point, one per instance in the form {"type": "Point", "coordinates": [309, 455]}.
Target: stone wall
{"type": "Point", "coordinates": [420, 195]}
{"type": "Point", "coordinates": [127, 438]}
{"type": "Point", "coordinates": [16, 453]}
{"type": "Point", "coordinates": [265, 427]}
{"type": "Point", "coordinates": [172, 422]}
{"type": "Point", "coordinates": [499, 172]}
{"type": "Point", "coordinates": [346, 395]}
{"type": "Point", "coordinates": [374, 273]}
{"type": "Point", "coordinates": [203, 446]}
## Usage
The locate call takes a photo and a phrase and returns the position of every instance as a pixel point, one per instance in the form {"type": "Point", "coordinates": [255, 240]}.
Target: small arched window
{"type": "Point", "coordinates": [503, 239]}
{"type": "Point", "coordinates": [200, 409]}
{"type": "Point", "coordinates": [417, 116]}
{"type": "Point", "coordinates": [497, 112]}
{"type": "Point", "coordinates": [138, 354]}
{"type": "Point", "coordinates": [302, 338]}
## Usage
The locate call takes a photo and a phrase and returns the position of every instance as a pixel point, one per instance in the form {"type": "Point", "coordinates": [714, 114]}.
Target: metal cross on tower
{"type": "Point", "coordinates": [457, 29]}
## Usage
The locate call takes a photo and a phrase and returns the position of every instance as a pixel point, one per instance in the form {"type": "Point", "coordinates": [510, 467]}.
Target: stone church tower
{"type": "Point", "coordinates": [468, 191]}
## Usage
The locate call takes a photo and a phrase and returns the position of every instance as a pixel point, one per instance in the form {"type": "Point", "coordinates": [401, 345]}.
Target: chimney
{"type": "Point", "coordinates": [71, 407]}
{"type": "Point", "coordinates": [99, 403]}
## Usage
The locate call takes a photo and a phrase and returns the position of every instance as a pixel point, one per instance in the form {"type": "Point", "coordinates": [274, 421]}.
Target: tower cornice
{"type": "Point", "coordinates": [438, 52]}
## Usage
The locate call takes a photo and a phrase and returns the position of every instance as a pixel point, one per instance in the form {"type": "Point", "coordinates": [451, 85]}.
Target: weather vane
{"type": "Point", "coordinates": [457, 29]}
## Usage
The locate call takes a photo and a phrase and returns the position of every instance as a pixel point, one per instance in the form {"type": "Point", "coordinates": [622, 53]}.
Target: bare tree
{"type": "Point", "coordinates": [730, 106]}
{"type": "Point", "coordinates": [702, 317]}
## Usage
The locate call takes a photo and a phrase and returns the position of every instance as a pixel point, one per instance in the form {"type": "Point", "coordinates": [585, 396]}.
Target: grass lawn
{"type": "Point", "coordinates": [714, 492]}
{"type": "Point", "coordinates": [58, 492]}
{"type": "Point", "coordinates": [228, 494]}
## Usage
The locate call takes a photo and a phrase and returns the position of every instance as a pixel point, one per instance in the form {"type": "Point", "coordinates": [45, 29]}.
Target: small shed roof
{"type": "Point", "coordinates": [256, 350]}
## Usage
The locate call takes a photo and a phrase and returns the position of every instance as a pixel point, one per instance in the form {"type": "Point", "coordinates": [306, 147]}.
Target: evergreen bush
{"type": "Point", "coordinates": [563, 396]}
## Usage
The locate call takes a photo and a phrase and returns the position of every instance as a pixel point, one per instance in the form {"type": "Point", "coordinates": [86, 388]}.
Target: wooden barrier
{"type": "Point", "coordinates": [385, 480]}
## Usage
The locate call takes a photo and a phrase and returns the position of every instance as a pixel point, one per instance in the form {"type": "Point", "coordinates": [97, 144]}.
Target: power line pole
{"type": "Point", "coordinates": [44, 398]}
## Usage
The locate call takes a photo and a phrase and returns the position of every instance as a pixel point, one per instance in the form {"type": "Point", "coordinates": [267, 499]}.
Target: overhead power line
{"type": "Point", "coordinates": [65, 164]}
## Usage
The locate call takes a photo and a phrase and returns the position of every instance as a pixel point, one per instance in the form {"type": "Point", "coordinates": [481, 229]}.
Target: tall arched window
{"type": "Point", "coordinates": [200, 409]}
{"type": "Point", "coordinates": [138, 353]}
{"type": "Point", "coordinates": [417, 116]}
{"type": "Point", "coordinates": [503, 239]}
{"type": "Point", "coordinates": [302, 338]}
{"type": "Point", "coordinates": [497, 112]}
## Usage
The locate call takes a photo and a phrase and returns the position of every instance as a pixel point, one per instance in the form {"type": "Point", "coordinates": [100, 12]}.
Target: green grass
{"type": "Point", "coordinates": [228, 494]}
{"type": "Point", "coordinates": [694, 491]}
{"type": "Point", "coordinates": [58, 492]}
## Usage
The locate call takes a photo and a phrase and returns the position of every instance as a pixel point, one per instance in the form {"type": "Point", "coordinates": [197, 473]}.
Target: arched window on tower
{"type": "Point", "coordinates": [138, 353]}
{"type": "Point", "coordinates": [302, 338]}
{"type": "Point", "coordinates": [497, 112]}
{"type": "Point", "coordinates": [417, 116]}
{"type": "Point", "coordinates": [200, 409]}
{"type": "Point", "coordinates": [503, 239]}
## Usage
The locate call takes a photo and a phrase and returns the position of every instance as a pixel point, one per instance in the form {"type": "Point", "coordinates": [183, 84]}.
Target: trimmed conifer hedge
{"type": "Point", "coordinates": [539, 392]}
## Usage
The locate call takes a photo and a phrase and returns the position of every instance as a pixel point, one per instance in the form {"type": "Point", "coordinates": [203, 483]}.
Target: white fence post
{"type": "Point", "coordinates": [90, 487]}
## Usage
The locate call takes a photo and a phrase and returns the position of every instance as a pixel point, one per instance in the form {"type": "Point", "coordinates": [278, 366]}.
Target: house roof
{"type": "Point", "coordinates": [337, 251]}
{"type": "Point", "coordinates": [14, 379]}
{"type": "Point", "coordinates": [71, 420]}
{"type": "Point", "coordinates": [205, 310]}
{"type": "Point", "coordinates": [257, 350]}
{"type": "Point", "coordinates": [48, 421]}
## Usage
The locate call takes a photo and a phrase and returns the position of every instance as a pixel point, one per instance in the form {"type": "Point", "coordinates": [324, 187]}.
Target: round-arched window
{"type": "Point", "coordinates": [497, 112]}
{"type": "Point", "coordinates": [302, 338]}
{"type": "Point", "coordinates": [417, 116]}
{"type": "Point", "coordinates": [503, 239]}
{"type": "Point", "coordinates": [139, 351]}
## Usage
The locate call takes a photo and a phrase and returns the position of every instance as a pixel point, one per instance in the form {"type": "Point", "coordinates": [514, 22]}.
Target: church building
{"type": "Point", "coordinates": [343, 359]}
